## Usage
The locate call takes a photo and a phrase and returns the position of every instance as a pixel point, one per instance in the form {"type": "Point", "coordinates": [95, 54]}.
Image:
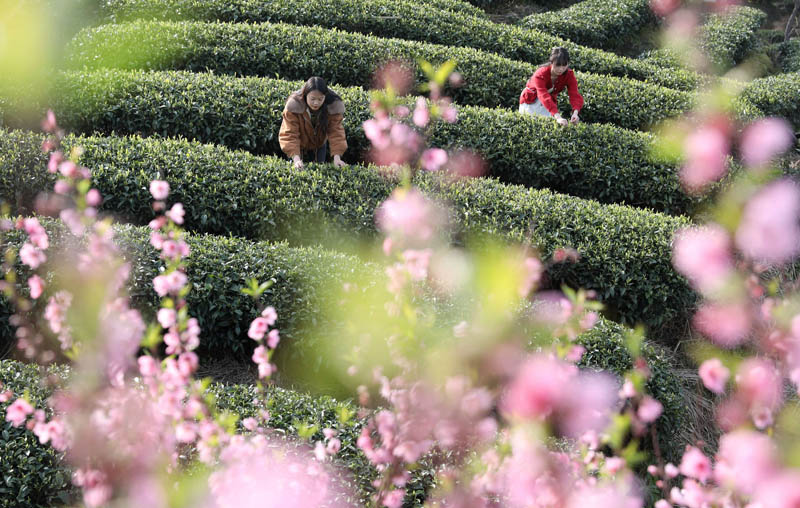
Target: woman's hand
{"type": "Point", "coordinates": [298, 162]}
{"type": "Point", "coordinates": [338, 162]}
{"type": "Point", "coordinates": [574, 118]}
{"type": "Point", "coordinates": [560, 120]}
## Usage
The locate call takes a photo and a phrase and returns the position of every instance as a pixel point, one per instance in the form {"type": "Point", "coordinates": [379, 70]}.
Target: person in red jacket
{"type": "Point", "coordinates": [541, 91]}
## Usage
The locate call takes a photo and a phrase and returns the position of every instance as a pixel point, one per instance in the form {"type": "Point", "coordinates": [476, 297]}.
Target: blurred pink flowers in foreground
{"type": "Point", "coordinates": [703, 255]}
{"type": "Point", "coordinates": [769, 231]}
{"type": "Point", "coordinates": [706, 153]}
{"type": "Point", "coordinates": [547, 389]}
{"type": "Point", "coordinates": [764, 139]}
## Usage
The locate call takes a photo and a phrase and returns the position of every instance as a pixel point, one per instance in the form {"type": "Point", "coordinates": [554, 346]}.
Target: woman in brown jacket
{"type": "Point", "coordinates": [312, 119]}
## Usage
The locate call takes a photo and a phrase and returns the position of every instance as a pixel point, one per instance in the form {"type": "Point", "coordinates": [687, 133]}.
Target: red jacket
{"type": "Point", "coordinates": [541, 86]}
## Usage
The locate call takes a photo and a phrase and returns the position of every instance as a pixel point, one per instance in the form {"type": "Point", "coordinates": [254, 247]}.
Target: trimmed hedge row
{"type": "Point", "coordinates": [32, 474]}
{"type": "Point", "coordinates": [788, 55]}
{"type": "Point", "coordinates": [777, 95]}
{"type": "Point", "coordinates": [626, 252]}
{"type": "Point", "coordinates": [402, 19]}
{"type": "Point", "coordinates": [728, 38]}
{"type": "Point", "coordinates": [600, 162]}
{"type": "Point", "coordinates": [288, 51]}
{"type": "Point", "coordinates": [606, 24]}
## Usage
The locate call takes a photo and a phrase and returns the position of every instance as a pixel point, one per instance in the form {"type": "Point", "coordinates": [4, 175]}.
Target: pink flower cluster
{"type": "Point", "coordinates": [409, 219]}
{"type": "Point", "coordinates": [550, 390]}
{"type": "Point", "coordinates": [262, 354]}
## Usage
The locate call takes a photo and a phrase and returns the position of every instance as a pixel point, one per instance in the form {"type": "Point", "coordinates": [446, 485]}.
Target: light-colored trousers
{"type": "Point", "coordinates": [535, 108]}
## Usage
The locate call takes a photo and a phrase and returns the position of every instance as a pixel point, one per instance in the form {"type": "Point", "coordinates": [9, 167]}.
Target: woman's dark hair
{"type": "Point", "coordinates": [559, 56]}
{"type": "Point", "coordinates": [316, 83]}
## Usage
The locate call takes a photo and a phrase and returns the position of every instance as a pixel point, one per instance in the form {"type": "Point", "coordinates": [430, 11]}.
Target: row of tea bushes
{"type": "Point", "coordinates": [289, 51]}
{"type": "Point", "coordinates": [601, 162]}
{"type": "Point", "coordinates": [403, 19]}
{"type": "Point", "coordinates": [788, 55]}
{"type": "Point", "coordinates": [728, 37]}
{"type": "Point", "coordinates": [606, 24]}
{"type": "Point", "coordinates": [777, 95]}
{"type": "Point", "coordinates": [625, 252]}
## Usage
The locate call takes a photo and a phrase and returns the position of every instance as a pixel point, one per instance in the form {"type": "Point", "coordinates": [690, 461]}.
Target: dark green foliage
{"type": "Point", "coordinates": [625, 252]}
{"type": "Point", "coordinates": [31, 473]}
{"type": "Point", "coordinates": [777, 95]}
{"type": "Point", "coordinates": [288, 51]}
{"type": "Point", "coordinates": [788, 55]}
{"type": "Point", "coordinates": [601, 162]}
{"type": "Point", "coordinates": [606, 24]}
{"type": "Point", "coordinates": [727, 38]}
{"type": "Point", "coordinates": [403, 19]}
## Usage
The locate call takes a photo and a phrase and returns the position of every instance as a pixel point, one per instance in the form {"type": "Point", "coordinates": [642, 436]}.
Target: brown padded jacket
{"type": "Point", "coordinates": [297, 134]}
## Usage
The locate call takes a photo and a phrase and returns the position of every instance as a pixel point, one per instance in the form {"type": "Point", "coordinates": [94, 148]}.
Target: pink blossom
{"type": "Point", "coordinates": [745, 459]}
{"type": "Point", "coordinates": [433, 159]}
{"type": "Point", "coordinates": [714, 375]}
{"type": "Point", "coordinates": [449, 114]}
{"type": "Point", "coordinates": [769, 231]}
{"type": "Point", "coordinates": [56, 310]}
{"type": "Point", "coordinates": [401, 111]}
{"type": "Point", "coordinates": [159, 189]}
{"type": "Point", "coordinates": [764, 139]}
{"type": "Point", "coordinates": [376, 132]}
{"type": "Point", "coordinates": [662, 503]}
{"type": "Point", "coordinates": [727, 325]}
{"type": "Point", "coordinates": [38, 235]}
{"type": "Point", "coordinates": [758, 386]}
{"type": "Point", "coordinates": [416, 263]}
{"type": "Point", "coordinates": [148, 366]}
{"type": "Point", "coordinates": [394, 498]}
{"type": "Point", "coordinates": [17, 412]}
{"type": "Point", "coordinates": [575, 354]}
{"type": "Point", "coordinates": [779, 491]}
{"type": "Point", "coordinates": [96, 489]}
{"type": "Point", "coordinates": [37, 286]}
{"type": "Point", "coordinates": [409, 215]}
{"type": "Point", "coordinates": [56, 158]}
{"type": "Point", "coordinates": [49, 122]}
{"type": "Point", "coordinates": [250, 424]}
{"type": "Point", "coordinates": [93, 197]}
{"type": "Point", "coordinates": [695, 464]}
{"type": "Point", "coordinates": [167, 317]}
{"type": "Point", "coordinates": [614, 464]}
{"type": "Point", "coordinates": [157, 223]}
{"type": "Point", "coordinates": [176, 213]}
{"type": "Point", "coordinates": [156, 240]}
{"type": "Point", "coordinates": [258, 328]}
{"type": "Point", "coordinates": [334, 445]}
{"type": "Point", "coordinates": [467, 164]}
{"type": "Point", "coordinates": [270, 315]}
{"type": "Point", "coordinates": [62, 187]}
{"type": "Point", "coordinates": [532, 275]}
{"type": "Point", "coordinates": [396, 74]}
{"type": "Point", "coordinates": [649, 409]}
{"type": "Point", "coordinates": [31, 255]}
{"type": "Point", "coordinates": [69, 169]}
{"type": "Point", "coordinates": [273, 337]}
{"type": "Point", "coordinates": [421, 115]}
{"type": "Point", "coordinates": [536, 391]}
{"type": "Point", "coordinates": [265, 370]}
{"type": "Point", "coordinates": [704, 256]}
{"type": "Point", "coordinates": [173, 282]}
{"type": "Point", "coordinates": [706, 153]}
{"type": "Point", "coordinates": [671, 470]}
{"type": "Point", "coordinates": [260, 355]}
